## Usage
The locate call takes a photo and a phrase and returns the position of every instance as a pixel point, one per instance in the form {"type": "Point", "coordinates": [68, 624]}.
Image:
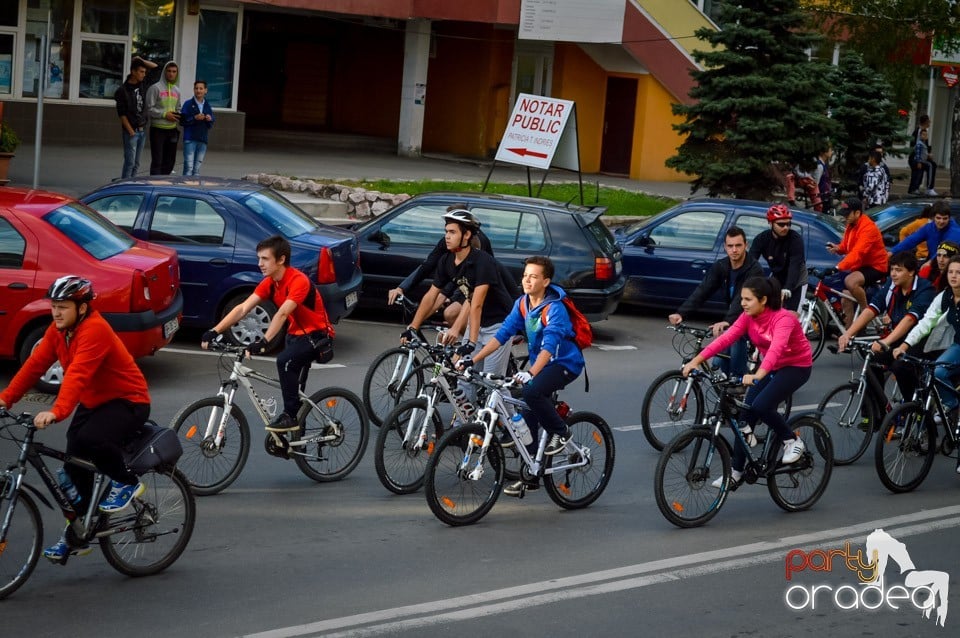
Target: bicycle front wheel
{"type": "Point", "coordinates": [591, 441]}
{"type": "Point", "coordinates": [462, 484]}
{"type": "Point", "coordinates": [210, 467]}
{"type": "Point", "coordinates": [850, 418]}
{"type": "Point", "coordinates": [400, 457]}
{"type": "Point", "coordinates": [683, 480]}
{"type": "Point", "coordinates": [20, 540]}
{"type": "Point", "coordinates": [382, 389]}
{"type": "Point", "coordinates": [335, 435]}
{"type": "Point", "coordinates": [816, 328]}
{"type": "Point", "coordinates": [905, 447]}
{"type": "Point", "coordinates": [671, 405]}
{"type": "Point", "coordinates": [151, 534]}
{"type": "Point", "coordinates": [798, 486]}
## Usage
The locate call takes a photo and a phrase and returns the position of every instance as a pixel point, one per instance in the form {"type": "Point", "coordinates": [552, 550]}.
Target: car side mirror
{"type": "Point", "coordinates": [381, 238]}
{"type": "Point", "coordinates": [889, 240]}
{"type": "Point", "coordinates": [644, 240]}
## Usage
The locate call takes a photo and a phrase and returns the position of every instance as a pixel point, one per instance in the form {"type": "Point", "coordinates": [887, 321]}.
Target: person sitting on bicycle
{"type": "Point", "coordinates": [782, 247]}
{"type": "Point", "coordinates": [786, 365]}
{"type": "Point", "coordinates": [102, 382]}
{"type": "Point", "coordinates": [292, 293]}
{"type": "Point", "coordinates": [935, 270]}
{"type": "Point", "coordinates": [450, 298]}
{"type": "Point", "coordinates": [901, 304]}
{"type": "Point", "coordinates": [475, 274]}
{"type": "Point", "coordinates": [944, 228]}
{"type": "Point", "coordinates": [865, 261]}
{"type": "Point", "coordinates": [945, 307]}
{"type": "Point", "coordinates": [556, 359]}
{"type": "Point", "coordinates": [726, 275]}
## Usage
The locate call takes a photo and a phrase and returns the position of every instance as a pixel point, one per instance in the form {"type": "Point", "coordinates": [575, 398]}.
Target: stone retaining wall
{"type": "Point", "coordinates": [361, 203]}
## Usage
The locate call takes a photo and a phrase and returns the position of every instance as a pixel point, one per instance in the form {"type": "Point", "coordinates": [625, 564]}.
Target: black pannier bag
{"type": "Point", "coordinates": [152, 447]}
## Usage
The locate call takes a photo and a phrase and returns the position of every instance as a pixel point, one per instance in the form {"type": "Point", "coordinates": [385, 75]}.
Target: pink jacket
{"type": "Point", "coordinates": [777, 334]}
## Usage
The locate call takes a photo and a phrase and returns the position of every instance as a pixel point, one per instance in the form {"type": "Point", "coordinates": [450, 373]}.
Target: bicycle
{"type": "Point", "coordinates": [215, 435]}
{"type": "Point", "coordinates": [822, 310]}
{"type": "Point", "coordinates": [907, 443]}
{"type": "Point", "coordinates": [464, 475]}
{"type": "Point", "coordinates": [142, 540]}
{"type": "Point", "coordinates": [682, 482]}
{"type": "Point", "coordinates": [674, 403]}
{"type": "Point", "coordinates": [852, 411]}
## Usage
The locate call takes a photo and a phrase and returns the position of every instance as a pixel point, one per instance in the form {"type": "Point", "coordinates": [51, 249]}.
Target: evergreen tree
{"type": "Point", "coordinates": [862, 106]}
{"type": "Point", "coordinates": [760, 99]}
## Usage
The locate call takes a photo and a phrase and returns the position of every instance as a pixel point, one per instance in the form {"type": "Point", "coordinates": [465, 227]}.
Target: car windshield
{"type": "Point", "coordinates": [89, 230]}
{"type": "Point", "coordinates": [279, 214]}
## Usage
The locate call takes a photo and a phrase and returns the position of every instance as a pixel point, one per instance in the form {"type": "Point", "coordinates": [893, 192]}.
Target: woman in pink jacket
{"type": "Point", "coordinates": [787, 362]}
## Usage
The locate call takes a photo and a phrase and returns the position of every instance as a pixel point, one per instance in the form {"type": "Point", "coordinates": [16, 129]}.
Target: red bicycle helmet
{"type": "Point", "coordinates": [778, 212]}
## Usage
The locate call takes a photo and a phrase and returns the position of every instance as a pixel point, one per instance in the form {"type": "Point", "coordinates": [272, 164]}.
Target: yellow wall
{"type": "Point", "coordinates": [678, 18]}
{"type": "Point", "coordinates": [654, 138]}
{"type": "Point", "coordinates": [577, 77]}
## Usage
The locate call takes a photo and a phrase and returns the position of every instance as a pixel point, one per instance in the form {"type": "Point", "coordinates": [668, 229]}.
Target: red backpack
{"type": "Point", "coordinates": [582, 332]}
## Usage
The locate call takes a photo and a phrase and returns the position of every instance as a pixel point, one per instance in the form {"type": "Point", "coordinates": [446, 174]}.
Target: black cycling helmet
{"type": "Point", "coordinates": [463, 217]}
{"type": "Point", "coordinates": [71, 288]}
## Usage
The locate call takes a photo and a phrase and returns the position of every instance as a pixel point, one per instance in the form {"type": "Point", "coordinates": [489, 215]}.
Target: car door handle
{"type": "Point", "coordinates": [699, 263]}
{"type": "Point", "coordinates": [17, 285]}
{"type": "Point", "coordinates": [218, 262]}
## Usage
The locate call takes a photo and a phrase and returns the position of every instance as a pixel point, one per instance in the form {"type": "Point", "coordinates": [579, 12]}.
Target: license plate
{"type": "Point", "coordinates": [351, 299]}
{"type": "Point", "coordinates": [170, 327]}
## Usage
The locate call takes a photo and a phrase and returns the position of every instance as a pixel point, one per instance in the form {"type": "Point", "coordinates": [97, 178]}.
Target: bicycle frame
{"type": "Point", "coordinates": [418, 436]}
{"type": "Point", "coordinates": [822, 293]}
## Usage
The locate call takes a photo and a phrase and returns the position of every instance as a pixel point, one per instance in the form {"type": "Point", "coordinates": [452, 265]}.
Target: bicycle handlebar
{"type": "Point", "coordinates": [24, 418]}
{"type": "Point", "coordinates": [684, 328]}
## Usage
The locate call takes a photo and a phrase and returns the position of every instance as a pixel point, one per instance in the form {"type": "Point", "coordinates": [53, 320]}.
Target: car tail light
{"type": "Point", "coordinates": [140, 297]}
{"type": "Point", "coordinates": [603, 268]}
{"type": "Point", "coordinates": [326, 274]}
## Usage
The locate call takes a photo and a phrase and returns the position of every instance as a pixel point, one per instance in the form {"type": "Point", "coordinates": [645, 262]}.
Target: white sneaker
{"type": "Point", "coordinates": [931, 193]}
{"type": "Point", "coordinates": [792, 451]}
{"type": "Point", "coordinates": [735, 476]}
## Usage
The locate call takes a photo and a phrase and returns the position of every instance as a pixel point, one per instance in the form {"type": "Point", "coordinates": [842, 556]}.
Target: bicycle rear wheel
{"type": "Point", "coordinates": [580, 486]}
{"type": "Point", "coordinates": [682, 482]}
{"type": "Point", "coordinates": [20, 541]}
{"type": "Point", "coordinates": [382, 389]}
{"type": "Point", "coordinates": [905, 447]}
{"type": "Point", "coordinates": [850, 418]}
{"type": "Point", "coordinates": [151, 534]}
{"type": "Point", "coordinates": [816, 331]}
{"type": "Point", "coordinates": [798, 486]}
{"type": "Point", "coordinates": [671, 405]}
{"type": "Point", "coordinates": [460, 484]}
{"type": "Point", "coordinates": [211, 468]}
{"type": "Point", "coordinates": [399, 463]}
{"type": "Point", "coordinates": [336, 435]}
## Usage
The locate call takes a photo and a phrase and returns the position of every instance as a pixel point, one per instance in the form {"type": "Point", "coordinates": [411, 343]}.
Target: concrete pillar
{"type": "Point", "coordinates": [413, 93]}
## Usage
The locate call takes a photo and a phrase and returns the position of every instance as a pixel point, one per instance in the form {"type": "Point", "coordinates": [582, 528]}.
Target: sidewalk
{"type": "Point", "coordinates": [76, 170]}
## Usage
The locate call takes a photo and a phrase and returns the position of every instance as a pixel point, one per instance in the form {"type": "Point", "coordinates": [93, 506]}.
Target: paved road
{"type": "Point", "coordinates": [279, 555]}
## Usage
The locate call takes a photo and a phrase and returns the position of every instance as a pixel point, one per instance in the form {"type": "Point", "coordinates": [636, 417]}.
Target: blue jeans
{"type": "Point", "coordinates": [945, 374]}
{"type": "Point", "coordinates": [132, 148]}
{"type": "Point", "coordinates": [736, 365]}
{"type": "Point", "coordinates": [193, 154]}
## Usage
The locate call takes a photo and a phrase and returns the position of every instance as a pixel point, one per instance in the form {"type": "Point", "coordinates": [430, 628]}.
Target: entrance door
{"type": "Point", "coordinates": [618, 125]}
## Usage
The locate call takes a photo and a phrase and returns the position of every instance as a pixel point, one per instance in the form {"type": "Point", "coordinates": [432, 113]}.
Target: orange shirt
{"type": "Point", "coordinates": [97, 368]}
{"type": "Point", "coordinates": [863, 246]}
{"type": "Point", "coordinates": [912, 227]}
{"type": "Point", "coordinates": [296, 286]}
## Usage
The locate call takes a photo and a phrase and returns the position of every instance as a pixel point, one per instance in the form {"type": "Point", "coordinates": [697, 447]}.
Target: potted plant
{"type": "Point", "coordinates": [8, 145]}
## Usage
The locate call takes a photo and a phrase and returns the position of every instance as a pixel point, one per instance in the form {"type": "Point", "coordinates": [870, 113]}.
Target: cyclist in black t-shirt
{"type": "Point", "coordinates": [782, 247]}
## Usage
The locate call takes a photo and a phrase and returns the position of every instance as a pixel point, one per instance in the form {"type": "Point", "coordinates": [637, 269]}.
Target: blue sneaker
{"type": "Point", "coordinates": [58, 553]}
{"type": "Point", "coordinates": [120, 496]}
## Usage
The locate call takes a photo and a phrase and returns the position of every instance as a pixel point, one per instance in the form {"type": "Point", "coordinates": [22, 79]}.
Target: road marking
{"type": "Point", "coordinates": [613, 348]}
{"type": "Point", "coordinates": [663, 424]}
{"type": "Point", "coordinates": [208, 353]}
{"type": "Point", "coordinates": [611, 580]}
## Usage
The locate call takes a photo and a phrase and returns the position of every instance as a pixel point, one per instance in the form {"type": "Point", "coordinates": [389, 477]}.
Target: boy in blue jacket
{"type": "Point", "coordinates": [196, 117]}
{"type": "Point", "coordinates": [556, 359]}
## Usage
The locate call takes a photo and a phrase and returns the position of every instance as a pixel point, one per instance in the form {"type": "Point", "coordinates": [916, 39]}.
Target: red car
{"type": "Point", "coordinates": [44, 236]}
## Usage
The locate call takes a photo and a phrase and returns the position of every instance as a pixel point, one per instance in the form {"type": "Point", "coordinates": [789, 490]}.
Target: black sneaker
{"type": "Point", "coordinates": [518, 488]}
{"type": "Point", "coordinates": [283, 423]}
{"type": "Point", "coordinates": [558, 442]}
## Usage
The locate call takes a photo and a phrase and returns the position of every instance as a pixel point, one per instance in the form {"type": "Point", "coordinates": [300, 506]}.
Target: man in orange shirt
{"type": "Point", "coordinates": [865, 260]}
{"type": "Point", "coordinates": [299, 304]}
{"type": "Point", "coordinates": [104, 385]}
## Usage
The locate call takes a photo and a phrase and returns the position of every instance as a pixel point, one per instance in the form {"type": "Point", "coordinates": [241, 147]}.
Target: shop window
{"type": "Point", "coordinates": [216, 51]}
{"type": "Point", "coordinates": [6, 63]}
{"type": "Point", "coordinates": [8, 13]}
{"type": "Point", "coordinates": [58, 66]}
{"type": "Point", "coordinates": [153, 23]}
{"type": "Point", "coordinates": [101, 68]}
{"type": "Point", "coordinates": [109, 17]}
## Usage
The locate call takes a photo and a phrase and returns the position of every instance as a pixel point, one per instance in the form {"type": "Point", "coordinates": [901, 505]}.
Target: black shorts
{"type": "Point", "coordinates": [871, 276]}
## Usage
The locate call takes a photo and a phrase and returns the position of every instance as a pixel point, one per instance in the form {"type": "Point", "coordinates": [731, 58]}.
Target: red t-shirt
{"type": "Point", "coordinates": [296, 286]}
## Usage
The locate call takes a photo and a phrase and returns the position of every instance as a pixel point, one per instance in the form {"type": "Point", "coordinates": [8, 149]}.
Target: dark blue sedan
{"type": "Point", "coordinates": [666, 256]}
{"type": "Point", "coordinates": [215, 224]}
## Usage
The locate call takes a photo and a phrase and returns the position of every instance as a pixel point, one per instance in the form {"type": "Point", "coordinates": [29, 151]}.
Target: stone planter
{"type": "Point", "coordinates": [4, 167]}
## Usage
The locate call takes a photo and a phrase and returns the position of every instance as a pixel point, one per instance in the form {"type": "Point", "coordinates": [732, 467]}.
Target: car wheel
{"type": "Point", "coordinates": [254, 325]}
{"type": "Point", "coordinates": [52, 379]}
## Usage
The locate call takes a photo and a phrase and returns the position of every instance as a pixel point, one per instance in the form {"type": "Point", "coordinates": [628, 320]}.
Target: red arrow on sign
{"type": "Point", "coordinates": [524, 151]}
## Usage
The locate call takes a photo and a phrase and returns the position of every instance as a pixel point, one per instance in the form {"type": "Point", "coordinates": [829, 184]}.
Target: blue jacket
{"type": "Point", "coordinates": [194, 131]}
{"type": "Point", "coordinates": [556, 337]}
{"type": "Point", "coordinates": [930, 234]}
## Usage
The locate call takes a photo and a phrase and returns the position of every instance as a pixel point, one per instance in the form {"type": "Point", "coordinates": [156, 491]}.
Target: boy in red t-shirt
{"type": "Point", "coordinates": [289, 289]}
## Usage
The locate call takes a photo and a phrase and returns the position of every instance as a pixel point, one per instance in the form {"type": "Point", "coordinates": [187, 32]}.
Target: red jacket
{"type": "Point", "coordinates": [97, 368]}
{"type": "Point", "coordinates": [863, 246]}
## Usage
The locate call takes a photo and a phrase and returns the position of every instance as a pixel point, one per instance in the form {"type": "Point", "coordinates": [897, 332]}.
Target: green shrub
{"type": "Point", "coordinates": [8, 139]}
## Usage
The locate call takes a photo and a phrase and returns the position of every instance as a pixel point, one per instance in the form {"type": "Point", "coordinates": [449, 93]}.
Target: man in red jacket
{"type": "Point", "coordinates": [104, 385]}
